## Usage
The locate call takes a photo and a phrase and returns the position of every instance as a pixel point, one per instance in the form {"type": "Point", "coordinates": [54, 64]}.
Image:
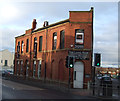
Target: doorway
{"type": "Point", "coordinates": [78, 75]}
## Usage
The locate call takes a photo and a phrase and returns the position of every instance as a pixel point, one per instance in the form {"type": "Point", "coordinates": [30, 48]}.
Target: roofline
{"type": "Point", "coordinates": [79, 11]}
{"type": "Point", "coordinates": [51, 25]}
{"type": "Point", "coordinates": [92, 8]}
{"type": "Point", "coordinates": [19, 36]}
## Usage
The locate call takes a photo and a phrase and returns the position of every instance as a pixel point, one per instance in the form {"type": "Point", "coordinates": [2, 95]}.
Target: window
{"type": "Point", "coordinates": [62, 37]}
{"type": "Point", "coordinates": [21, 70]}
{"type": "Point", "coordinates": [1, 61]}
{"type": "Point", "coordinates": [79, 36]}
{"type": "Point", "coordinates": [54, 40]}
{"type": "Point", "coordinates": [27, 45]}
{"type": "Point", "coordinates": [35, 47]}
{"type": "Point", "coordinates": [40, 43]}
{"type": "Point", "coordinates": [27, 68]}
{"type": "Point", "coordinates": [18, 47]}
{"type": "Point", "coordinates": [39, 68]}
{"type": "Point", "coordinates": [22, 44]}
{"type": "Point", "coordinates": [34, 68]}
{"type": "Point", "coordinates": [6, 62]}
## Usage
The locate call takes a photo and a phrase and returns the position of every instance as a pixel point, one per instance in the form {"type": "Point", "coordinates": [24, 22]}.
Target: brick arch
{"type": "Point", "coordinates": [61, 70]}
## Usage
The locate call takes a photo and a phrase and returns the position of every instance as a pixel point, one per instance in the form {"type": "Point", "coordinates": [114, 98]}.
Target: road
{"type": "Point", "coordinates": [13, 90]}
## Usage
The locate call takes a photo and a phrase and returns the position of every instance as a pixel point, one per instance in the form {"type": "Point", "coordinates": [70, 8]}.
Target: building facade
{"type": "Point", "coordinates": [41, 53]}
{"type": "Point", "coordinates": [6, 58]}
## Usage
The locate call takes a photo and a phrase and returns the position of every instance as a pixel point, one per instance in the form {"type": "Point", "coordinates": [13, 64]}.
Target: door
{"type": "Point", "coordinates": [78, 75]}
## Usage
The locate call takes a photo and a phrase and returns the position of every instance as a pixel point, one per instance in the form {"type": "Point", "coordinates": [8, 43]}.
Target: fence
{"type": "Point", "coordinates": [105, 89]}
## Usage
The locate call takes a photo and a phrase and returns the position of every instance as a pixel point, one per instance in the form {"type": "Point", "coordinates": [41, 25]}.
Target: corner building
{"type": "Point", "coordinates": [41, 53]}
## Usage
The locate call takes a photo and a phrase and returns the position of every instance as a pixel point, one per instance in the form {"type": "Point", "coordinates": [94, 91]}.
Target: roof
{"type": "Point", "coordinates": [51, 25]}
{"type": "Point", "coordinates": [19, 35]}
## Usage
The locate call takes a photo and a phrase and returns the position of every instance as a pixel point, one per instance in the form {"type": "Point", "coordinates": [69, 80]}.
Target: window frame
{"type": "Point", "coordinates": [54, 45]}
{"type": "Point", "coordinates": [40, 43]}
{"type": "Point", "coordinates": [79, 32]}
{"type": "Point", "coordinates": [22, 46]}
{"type": "Point", "coordinates": [27, 45]}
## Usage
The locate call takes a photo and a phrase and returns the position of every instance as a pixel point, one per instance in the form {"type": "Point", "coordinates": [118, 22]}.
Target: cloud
{"type": "Point", "coordinates": [105, 22]}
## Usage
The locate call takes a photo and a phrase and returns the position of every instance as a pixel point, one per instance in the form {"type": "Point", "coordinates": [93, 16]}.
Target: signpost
{"type": "Point", "coordinates": [97, 61]}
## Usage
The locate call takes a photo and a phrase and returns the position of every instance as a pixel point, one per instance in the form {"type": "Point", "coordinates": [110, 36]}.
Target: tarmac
{"type": "Point", "coordinates": [60, 87]}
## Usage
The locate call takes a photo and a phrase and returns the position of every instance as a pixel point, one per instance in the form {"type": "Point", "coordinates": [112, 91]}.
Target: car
{"type": "Point", "coordinates": [118, 77]}
{"type": "Point", "coordinates": [99, 77]}
{"type": "Point", "coordinates": [106, 80]}
{"type": "Point", "coordinates": [7, 72]}
{"type": "Point", "coordinates": [4, 72]}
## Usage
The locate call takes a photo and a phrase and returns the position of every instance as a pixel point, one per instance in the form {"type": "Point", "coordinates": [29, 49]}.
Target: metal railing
{"type": "Point", "coordinates": [104, 89]}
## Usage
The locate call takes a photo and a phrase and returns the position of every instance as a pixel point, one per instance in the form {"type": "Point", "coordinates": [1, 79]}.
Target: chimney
{"type": "Point", "coordinates": [34, 24]}
{"type": "Point", "coordinates": [45, 24]}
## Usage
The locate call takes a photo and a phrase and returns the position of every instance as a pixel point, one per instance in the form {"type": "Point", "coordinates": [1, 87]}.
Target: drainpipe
{"type": "Point", "coordinates": [31, 52]}
{"type": "Point", "coordinates": [45, 54]}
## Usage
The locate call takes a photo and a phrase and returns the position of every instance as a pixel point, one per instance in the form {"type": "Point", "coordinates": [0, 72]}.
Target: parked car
{"type": "Point", "coordinates": [4, 72]}
{"type": "Point", "coordinates": [99, 77]}
{"type": "Point", "coordinates": [118, 77]}
{"type": "Point", "coordinates": [7, 72]}
{"type": "Point", "coordinates": [10, 72]}
{"type": "Point", "coordinates": [106, 80]}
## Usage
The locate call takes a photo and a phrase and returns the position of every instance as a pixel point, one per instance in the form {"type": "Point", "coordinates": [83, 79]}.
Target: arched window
{"type": "Point", "coordinates": [35, 47]}
{"type": "Point", "coordinates": [27, 45]}
{"type": "Point", "coordinates": [40, 43]}
{"type": "Point", "coordinates": [22, 44]}
{"type": "Point", "coordinates": [54, 40]}
{"type": "Point", "coordinates": [62, 37]}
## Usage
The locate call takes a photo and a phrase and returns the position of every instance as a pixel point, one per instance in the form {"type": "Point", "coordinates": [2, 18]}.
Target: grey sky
{"type": "Point", "coordinates": [17, 17]}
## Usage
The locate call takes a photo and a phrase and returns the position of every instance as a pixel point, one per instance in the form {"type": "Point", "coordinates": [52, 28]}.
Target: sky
{"type": "Point", "coordinates": [16, 17]}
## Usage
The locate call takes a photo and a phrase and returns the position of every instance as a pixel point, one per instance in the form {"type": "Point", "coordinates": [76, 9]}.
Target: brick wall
{"type": "Point", "coordinates": [55, 59]}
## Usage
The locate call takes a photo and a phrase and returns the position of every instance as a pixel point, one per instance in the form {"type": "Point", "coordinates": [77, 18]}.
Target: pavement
{"type": "Point", "coordinates": [88, 93]}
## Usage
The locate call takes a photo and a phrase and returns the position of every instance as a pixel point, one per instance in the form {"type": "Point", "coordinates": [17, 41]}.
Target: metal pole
{"type": "Point", "coordinates": [69, 77]}
{"type": "Point", "coordinates": [31, 54]}
{"type": "Point", "coordinates": [93, 80]}
{"type": "Point", "coordinates": [45, 54]}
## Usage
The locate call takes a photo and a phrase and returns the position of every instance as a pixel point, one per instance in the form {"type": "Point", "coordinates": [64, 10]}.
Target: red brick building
{"type": "Point", "coordinates": [41, 53]}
